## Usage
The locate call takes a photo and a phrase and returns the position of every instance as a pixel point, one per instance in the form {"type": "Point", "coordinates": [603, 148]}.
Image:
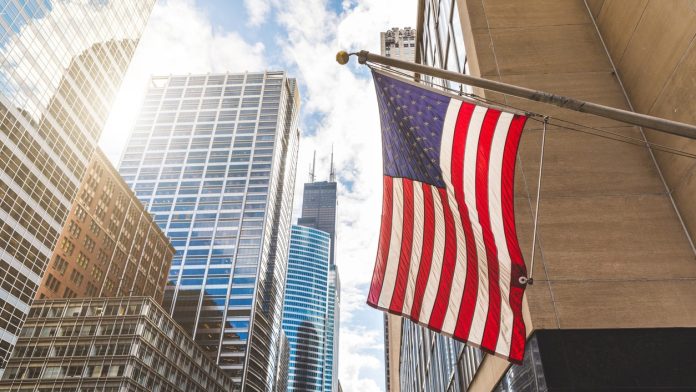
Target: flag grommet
{"type": "Point", "coordinates": [525, 280]}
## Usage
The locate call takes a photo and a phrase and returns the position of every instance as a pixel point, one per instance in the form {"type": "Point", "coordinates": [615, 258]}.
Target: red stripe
{"type": "Point", "coordinates": [518, 267]}
{"type": "Point", "coordinates": [397, 301]}
{"type": "Point", "coordinates": [427, 253]}
{"type": "Point", "coordinates": [383, 249]}
{"type": "Point", "coordinates": [468, 304]}
{"type": "Point", "coordinates": [492, 328]}
{"type": "Point", "coordinates": [449, 258]}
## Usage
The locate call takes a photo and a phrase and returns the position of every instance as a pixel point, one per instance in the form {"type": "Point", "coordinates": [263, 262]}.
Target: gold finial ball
{"type": "Point", "coordinates": [342, 57]}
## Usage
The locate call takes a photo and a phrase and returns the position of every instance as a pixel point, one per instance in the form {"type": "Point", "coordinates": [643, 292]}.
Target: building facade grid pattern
{"type": "Point", "coordinates": [213, 158]}
{"type": "Point", "coordinates": [305, 307]}
{"type": "Point", "coordinates": [111, 344]}
{"type": "Point", "coordinates": [61, 64]}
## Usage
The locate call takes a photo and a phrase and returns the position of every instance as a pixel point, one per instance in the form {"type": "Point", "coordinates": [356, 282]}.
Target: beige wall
{"type": "Point", "coordinates": [394, 350]}
{"type": "Point", "coordinates": [612, 252]}
{"type": "Point", "coordinates": [653, 45]}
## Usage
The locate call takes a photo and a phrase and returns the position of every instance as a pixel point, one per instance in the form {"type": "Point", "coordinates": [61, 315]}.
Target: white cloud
{"type": "Point", "coordinates": [347, 108]}
{"type": "Point", "coordinates": [179, 39]}
{"type": "Point", "coordinates": [257, 10]}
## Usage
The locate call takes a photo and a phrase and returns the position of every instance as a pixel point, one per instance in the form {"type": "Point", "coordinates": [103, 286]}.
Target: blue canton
{"type": "Point", "coordinates": [412, 119]}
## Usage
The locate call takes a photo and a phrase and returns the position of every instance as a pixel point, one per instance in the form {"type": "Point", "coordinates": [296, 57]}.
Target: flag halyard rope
{"type": "Point", "coordinates": [530, 279]}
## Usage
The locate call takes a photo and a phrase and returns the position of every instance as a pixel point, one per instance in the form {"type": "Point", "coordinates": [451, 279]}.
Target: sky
{"type": "Point", "coordinates": [339, 110]}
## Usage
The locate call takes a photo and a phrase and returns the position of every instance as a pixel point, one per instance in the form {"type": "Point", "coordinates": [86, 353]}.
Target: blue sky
{"type": "Point", "coordinates": [339, 109]}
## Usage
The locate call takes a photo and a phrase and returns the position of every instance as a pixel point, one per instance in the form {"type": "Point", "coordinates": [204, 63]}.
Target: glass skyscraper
{"type": "Point", "coordinates": [61, 63]}
{"type": "Point", "coordinates": [306, 307]}
{"type": "Point", "coordinates": [319, 204]}
{"type": "Point", "coordinates": [213, 157]}
{"type": "Point", "coordinates": [319, 209]}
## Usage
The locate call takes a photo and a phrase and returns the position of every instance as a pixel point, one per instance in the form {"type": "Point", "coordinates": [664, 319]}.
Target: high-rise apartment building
{"type": "Point", "coordinates": [109, 246]}
{"type": "Point", "coordinates": [319, 204]}
{"type": "Point", "coordinates": [398, 43]}
{"type": "Point", "coordinates": [305, 310]}
{"type": "Point", "coordinates": [613, 282]}
{"type": "Point", "coordinates": [61, 64]}
{"type": "Point", "coordinates": [110, 345]}
{"type": "Point", "coordinates": [213, 157]}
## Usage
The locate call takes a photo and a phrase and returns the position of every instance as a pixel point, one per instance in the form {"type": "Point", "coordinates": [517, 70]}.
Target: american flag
{"type": "Point", "coordinates": [448, 256]}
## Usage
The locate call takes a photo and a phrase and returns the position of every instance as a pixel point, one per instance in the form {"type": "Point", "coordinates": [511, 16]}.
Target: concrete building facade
{"type": "Point", "coordinates": [615, 267]}
{"type": "Point", "coordinates": [109, 246]}
{"type": "Point", "coordinates": [109, 345]}
{"type": "Point", "coordinates": [61, 64]}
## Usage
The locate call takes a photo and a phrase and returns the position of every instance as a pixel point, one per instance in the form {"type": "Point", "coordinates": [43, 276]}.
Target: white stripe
{"type": "Point", "coordinates": [459, 275]}
{"type": "Point", "coordinates": [495, 210]}
{"type": "Point", "coordinates": [436, 265]}
{"type": "Point", "coordinates": [417, 247]}
{"type": "Point", "coordinates": [397, 229]}
{"type": "Point", "coordinates": [481, 311]}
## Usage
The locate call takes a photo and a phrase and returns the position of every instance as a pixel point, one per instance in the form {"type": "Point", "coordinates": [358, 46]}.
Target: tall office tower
{"type": "Point", "coordinates": [615, 261]}
{"type": "Point", "coordinates": [333, 322]}
{"type": "Point", "coordinates": [108, 344]}
{"type": "Point", "coordinates": [306, 308]}
{"type": "Point", "coordinates": [319, 211]}
{"type": "Point", "coordinates": [319, 208]}
{"type": "Point", "coordinates": [214, 158]}
{"type": "Point", "coordinates": [109, 246]}
{"type": "Point", "coordinates": [398, 43]}
{"type": "Point", "coordinates": [61, 64]}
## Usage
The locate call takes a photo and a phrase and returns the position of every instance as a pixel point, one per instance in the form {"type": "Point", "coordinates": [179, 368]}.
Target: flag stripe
{"type": "Point", "coordinates": [518, 335]}
{"type": "Point", "coordinates": [490, 333]}
{"type": "Point", "coordinates": [466, 310]}
{"type": "Point", "coordinates": [432, 285]}
{"type": "Point", "coordinates": [459, 275]}
{"type": "Point", "coordinates": [449, 257]}
{"type": "Point", "coordinates": [383, 247]}
{"type": "Point", "coordinates": [427, 254]}
{"type": "Point", "coordinates": [394, 244]}
{"type": "Point", "coordinates": [397, 301]}
{"type": "Point", "coordinates": [470, 153]}
{"type": "Point", "coordinates": [416, 248]}
{"type": "Point", "coordinates": [498, 230]}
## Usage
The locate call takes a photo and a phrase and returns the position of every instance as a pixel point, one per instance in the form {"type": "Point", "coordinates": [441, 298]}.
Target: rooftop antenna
{"type": "Point", "coordinates": [332, 172]}
{"type": "Point", "coordinates": [311, 169]}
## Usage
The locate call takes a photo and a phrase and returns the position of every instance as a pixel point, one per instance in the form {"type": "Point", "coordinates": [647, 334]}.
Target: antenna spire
{"type": "Point", "coordinates": [311, 169]}
{"type": "Point", "coordinates": [332, 172]}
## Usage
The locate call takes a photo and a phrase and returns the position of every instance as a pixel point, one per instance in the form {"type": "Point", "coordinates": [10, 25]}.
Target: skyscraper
{"type": "Point", "coordinates": [319, 203]}
{"type": "Point", "coordinates": [109, 245]}
{"type": "Point", "coordinates": [319, 211]}
{"type": "Point", "coordinates": [214, 158]}
{"type": "Point", "coordinates": [61, 64]}
{"type": "Point", "coordinates": [306, 308]}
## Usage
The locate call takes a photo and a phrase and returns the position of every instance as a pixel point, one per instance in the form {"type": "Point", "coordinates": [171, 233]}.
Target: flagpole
{"type": "Point", "coordinates": [642, 120]}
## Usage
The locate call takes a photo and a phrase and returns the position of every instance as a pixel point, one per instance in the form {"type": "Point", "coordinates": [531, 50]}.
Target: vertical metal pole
{"type": "Point", "coordinates": [530, 279]}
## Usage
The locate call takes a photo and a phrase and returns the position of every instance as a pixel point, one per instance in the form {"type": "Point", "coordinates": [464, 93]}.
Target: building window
{"type": "Point", "coordinates": [67, 247]}
{"type": "Point", "coordinates": [52, 283]}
